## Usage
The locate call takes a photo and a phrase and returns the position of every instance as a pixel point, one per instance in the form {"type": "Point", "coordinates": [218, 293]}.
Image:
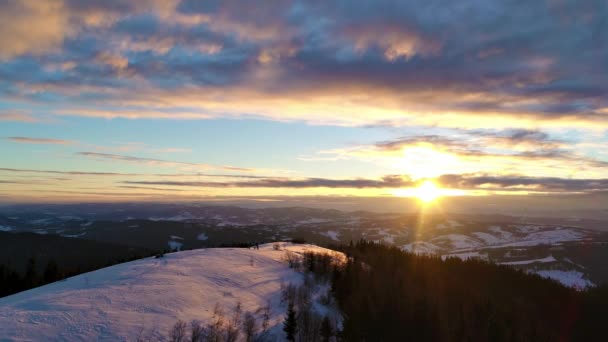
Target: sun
{"type": "Point", "coordinates": [427, 192]}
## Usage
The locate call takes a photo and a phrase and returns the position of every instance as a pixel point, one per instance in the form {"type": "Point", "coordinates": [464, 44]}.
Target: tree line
{"type": "Point", "coordinates": [13, 281]}
{"type": "Point", "coordinates": [386, 294]}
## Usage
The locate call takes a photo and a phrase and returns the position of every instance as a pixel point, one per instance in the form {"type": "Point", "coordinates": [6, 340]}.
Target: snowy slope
{"type": "Point", "coordinates": [116, 303]}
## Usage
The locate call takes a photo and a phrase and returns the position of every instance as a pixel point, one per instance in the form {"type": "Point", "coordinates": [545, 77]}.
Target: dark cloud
{"type": "Point", "coordinates": [543, 59]}
{"type": "Point", "coordinates": [435, 140]}
{"type": "Point", "coordinates": [516, 143]}
{"type": "Point", "coordinates": [391, 181]}
{"type": "Point", "coordinates": [465, 182]}
{"type": "Point", "coordinates": [550, 184]}
{"type": "Point", "coordinates": [108, 156]}
{"type": "Point", "coordinates": [147, 188]}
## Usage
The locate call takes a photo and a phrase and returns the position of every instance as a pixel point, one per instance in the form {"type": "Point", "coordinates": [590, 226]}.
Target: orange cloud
{"type": "Point", "coordinates": [28, 140]}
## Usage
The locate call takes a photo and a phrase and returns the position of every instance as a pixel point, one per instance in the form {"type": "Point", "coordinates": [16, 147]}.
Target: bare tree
{"type": "Point", "coordinates": [233, 329]}
{"type": "Point", "coordinates": [197, 331]}
{"type": "Point", "coordinates": [266, 317]}
{"type": "Point", "coordinates": [178, 332]}
{"type": "Point", "coordinates": [214, 330]}
{"type": "Point", "coordinates": [293, 260]}
{"type": "Point", "coordinates": [249, 327]}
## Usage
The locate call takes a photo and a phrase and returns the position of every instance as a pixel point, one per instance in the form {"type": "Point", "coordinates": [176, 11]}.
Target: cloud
{"type": "Point", "coordinates": [152, 161]}
{"type": "Point", "coordinates": [115, 61]}
{"type": "Point", "coordinates": [524, 143]}
{"type": "Point", "coordinates": [29, 140]}
{"type": "Point", "coordinates": [518, 183]}
{"type": "Point", "coordinates": [504, 183]}
{"type": "Point", "coordinates": [351, 63]}
{"type": "Point", "coordinates": [17, 116]}
{"type": "Point", "coordinates": [148, 188]}
{"type": "Point", "coordinates": [75, 173]}
{"type": "Point", "coordinates": [533, 139]}
{"type": "Point", "coordinates": [518, 151]}
{"type": "Point", "coordinates": [30, 26]}
{"type": "Point", "coordinates": [38, 28]}
{"type": "Point", "coordinates": [103, 174]}
{"type": "Point", "coordinates": [439, 75]}
{"type": "Point", "coordinates": [390, 181]}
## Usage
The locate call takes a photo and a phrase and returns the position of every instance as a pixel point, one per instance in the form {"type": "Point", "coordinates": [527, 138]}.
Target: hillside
{"type": "Point", "coordinates": [148, 296]}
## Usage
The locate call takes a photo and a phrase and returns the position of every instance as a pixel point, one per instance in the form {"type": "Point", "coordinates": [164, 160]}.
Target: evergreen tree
{"type": "Point", "coordinates": [31, 277]}
{"type": "Point", "coordinates": [51, 272]}
{"type": "Point", "coordinates": [327, 331]}
{"type": "Point", "coordinates": [290, 323]}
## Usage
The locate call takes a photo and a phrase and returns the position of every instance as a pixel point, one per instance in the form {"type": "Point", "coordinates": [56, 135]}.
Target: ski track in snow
{"type": "Point", "coordinates": [117, 302]}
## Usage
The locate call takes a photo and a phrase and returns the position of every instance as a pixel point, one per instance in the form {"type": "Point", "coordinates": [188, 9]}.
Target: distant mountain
{"type": "Point", "coordinates": [564, 249]}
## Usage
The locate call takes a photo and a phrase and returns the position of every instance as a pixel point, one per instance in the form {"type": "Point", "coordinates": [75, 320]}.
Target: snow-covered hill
{"type": "Point", "coordinates": [119, 302]}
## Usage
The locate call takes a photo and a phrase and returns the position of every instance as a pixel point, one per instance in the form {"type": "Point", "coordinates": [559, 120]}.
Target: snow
{"type": "Point", "coordinates": [332, 234]}
{"type": "Point", "coordinates": [202, 237]}
{"type": "Point", "coordinates": [40, 221]}
{"type": "Point", "coordinates": [75, 235]}
{"type": "Point", "coordinates": [465, 256]}
{"type": "Point", "coordinates": [421, 247]}
{"type": "Point", "coordinates": [550, 258]}
{"type": "Point", "coordinates": [488, 238]}
{"type": "Point", "coordinates": [185, 216]}
{"type": "Point", "coordinates": [457, 241]}
{"type": "Point", "coordinates": [569, 278]}
{"type": "Point", "coordinates": [527, 229]}
{"type": "Point", "coordinates": [502, 234]}
{"type": "Point", "coordinates": [5, 228]}
{"type": "Point", "coordinates": [175, 245]}
{"type": "Point", "coordinates": [454, 224]}
{"type": "Point", "coordinates": [116, 303]}
{"type": "Point", "coordinates": [313, 220]}
{"type": "Point", "coordinates": [546, 237]}
{"type": "Point", "coordinates": [387, 236]}
{"type": "Point", "coordinates": [448, 224]}
{"type": "Point", "coordinates": [69, 218]}
{"type": "Point", "coordinates": [389, 239]}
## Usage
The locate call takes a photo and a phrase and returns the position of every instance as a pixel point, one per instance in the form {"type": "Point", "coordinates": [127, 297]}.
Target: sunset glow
{"type": "Point", "coordinates": [427, 192]}
{"type": "Point", "coordinates": [183, 100]}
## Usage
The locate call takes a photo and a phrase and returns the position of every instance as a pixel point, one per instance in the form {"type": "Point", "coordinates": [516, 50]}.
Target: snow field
{"type": "Point", "coordinates": [118, 302]}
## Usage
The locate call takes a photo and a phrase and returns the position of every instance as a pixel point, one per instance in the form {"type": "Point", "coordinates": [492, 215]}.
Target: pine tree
{"type": "Point", "coordinates": [290, 323]}
{"type": "Point", "coordinates": [327, 331]}
{"type": "Point", "coordinates": [51, 272]}
{"type": "Point", "coordinates": [31, 277]}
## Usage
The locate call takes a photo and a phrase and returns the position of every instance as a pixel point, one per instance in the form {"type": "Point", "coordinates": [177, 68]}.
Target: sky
{"type": "Point", "coordinates": [120, 100]}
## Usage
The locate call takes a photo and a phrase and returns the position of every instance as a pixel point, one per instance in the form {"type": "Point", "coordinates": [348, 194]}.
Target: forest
{"type": "Point", "coordinates": [386, 294]}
